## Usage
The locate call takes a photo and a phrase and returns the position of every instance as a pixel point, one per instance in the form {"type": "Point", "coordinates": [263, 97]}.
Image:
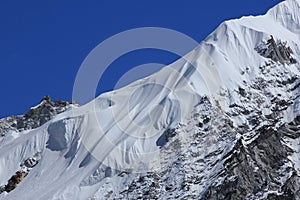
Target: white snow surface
{"type": "Point", "coordinates": [119, 130]}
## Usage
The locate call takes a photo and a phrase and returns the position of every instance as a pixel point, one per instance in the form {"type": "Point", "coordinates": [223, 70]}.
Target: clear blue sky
{"type": "Point", "coordinates": [43, 43]}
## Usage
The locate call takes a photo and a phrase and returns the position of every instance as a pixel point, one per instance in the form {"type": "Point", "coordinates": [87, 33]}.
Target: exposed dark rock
{"type": "Point", "coordinates": [14, 181]}
{"type": "Point", "coordinates": [242, 92]}
{"type": "Point", "coordinates": [35, 117]}
{"type": "Point", "coordinates": [254, 168]}
{"type": "Point", "coordinates": [46, 98]}
{"type": "Point", "coordinates": [277, 51]}
{"type": "Point", "coordinates": [17, 178]}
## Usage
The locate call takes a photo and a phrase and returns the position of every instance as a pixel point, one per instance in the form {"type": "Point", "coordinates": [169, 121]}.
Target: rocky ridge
{"type": "Point", "coordinates": [36, 116]}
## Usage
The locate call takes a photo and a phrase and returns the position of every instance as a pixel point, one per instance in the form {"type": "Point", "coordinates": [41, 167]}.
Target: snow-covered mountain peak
{"type": "Point", "coordinates": [222, 122]}
{"type": "Point", "coordinates": [237, 39]}
{"type": "Point", "coordinates": [287, 14]}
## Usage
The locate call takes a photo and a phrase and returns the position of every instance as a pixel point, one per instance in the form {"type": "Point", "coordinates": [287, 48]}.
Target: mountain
{"type": "Point", "coordinates": [223, 122]}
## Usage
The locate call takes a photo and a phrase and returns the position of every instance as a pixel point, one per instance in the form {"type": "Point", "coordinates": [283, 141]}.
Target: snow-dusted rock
{"type": "Point", "coordinates": [223, 126]}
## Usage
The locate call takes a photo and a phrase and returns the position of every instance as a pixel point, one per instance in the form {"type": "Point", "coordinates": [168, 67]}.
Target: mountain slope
{"type": "Point", "coordinates": [220, 123]}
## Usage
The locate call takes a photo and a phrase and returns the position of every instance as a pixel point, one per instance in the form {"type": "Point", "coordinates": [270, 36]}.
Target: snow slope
{"type": "Point", "coordinates": [85, 151]}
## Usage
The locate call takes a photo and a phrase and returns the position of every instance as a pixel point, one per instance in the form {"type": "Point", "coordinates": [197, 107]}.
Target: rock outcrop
{"type": "Point", "coordinates": [36, 116]}
{"type": "Point", "coordinates": [18, 177]}
{"type": "Point", "coordinates": [277, 51]}
{"type": "Point", "coordinates": [14, 181]}
{"type": "Point", "coordinates": [259, 167]}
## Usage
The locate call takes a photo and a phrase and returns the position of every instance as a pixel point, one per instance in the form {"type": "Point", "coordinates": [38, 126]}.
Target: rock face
{"type": "Point", "coordinates": [36, 116]}
{"type": "Point", "coordinates": [277, 51]}
{"type": "Point", "coordinates": [18, 177]}
{"type": "Point", "coordinates": [260, 167]}
{"type": "Point", "coordinates": [14, 181]}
